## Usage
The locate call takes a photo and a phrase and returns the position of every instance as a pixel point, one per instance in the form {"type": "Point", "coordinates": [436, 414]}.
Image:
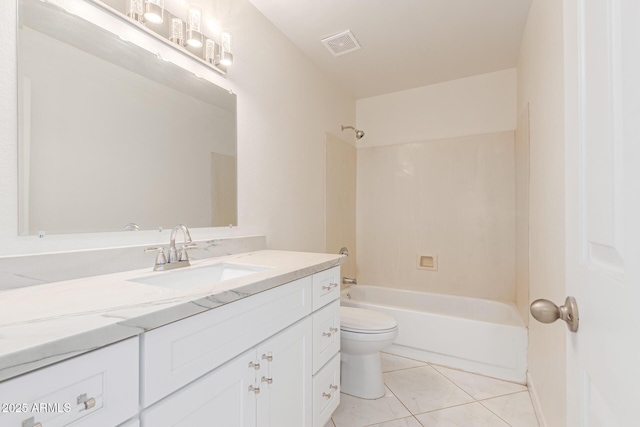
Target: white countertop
{"type": "Point", "coordinates": [40, 325]}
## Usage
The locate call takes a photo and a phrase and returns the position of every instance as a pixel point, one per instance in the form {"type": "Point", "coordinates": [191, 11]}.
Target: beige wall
{"type": "Point", "coordinates": [341, 201]}
{"type": "Point", "coordinates": [452, 198]}
{"type": "Point", "coordinates": [471, 106]}
{"type": "Point", "coordinates": [285, 106]}
{"type": "Point", "coordinates": [541, 85]}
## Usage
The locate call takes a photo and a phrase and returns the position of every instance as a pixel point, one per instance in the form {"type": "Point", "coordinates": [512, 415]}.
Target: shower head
{"type": "Point", "coordinates": [359, 133]}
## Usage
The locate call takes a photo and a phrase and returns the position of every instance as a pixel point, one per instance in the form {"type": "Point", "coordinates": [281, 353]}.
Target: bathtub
{"type": "Point", "coordinates": [476, 335]}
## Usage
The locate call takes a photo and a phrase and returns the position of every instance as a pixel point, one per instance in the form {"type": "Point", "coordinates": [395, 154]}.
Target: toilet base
{"type": "Point", "coordinates": [361, 375]}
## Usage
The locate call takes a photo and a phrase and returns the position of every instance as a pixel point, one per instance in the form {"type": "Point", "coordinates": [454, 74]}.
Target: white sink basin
{"type": "Point", "coordinates": [201, 276]}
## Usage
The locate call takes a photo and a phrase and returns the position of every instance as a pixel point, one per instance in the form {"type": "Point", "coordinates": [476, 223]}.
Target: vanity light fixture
{"type": "Point", "coordinates": [154, 11]}
{"type": "Point", "coordinates": [226, 57]}
{"type": "Point", "coordinates": [186, 33]}
{"type": "Point", "coordinates": [135, 9]}
{"type": "Point", "coordinates": [210, 51]}
{"type": "Point", "coordinates": [177, 31]}
{"type": "Point", "coordinates": [194, 26]}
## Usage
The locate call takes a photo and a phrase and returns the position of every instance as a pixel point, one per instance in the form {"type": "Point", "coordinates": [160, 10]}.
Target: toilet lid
{"type": "Point", "coordinates": [354, 319]}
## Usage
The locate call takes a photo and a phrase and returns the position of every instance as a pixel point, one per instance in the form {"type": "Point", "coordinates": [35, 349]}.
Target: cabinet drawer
{"type": "Point", "coordinates": [106, 378]}
{"type": "Point", "coordinates": [176, 354]}
{"type": "Point", "coordinates": [326, 392]}
{"type": "Point", "coordinates": [326, 287]}
{"type": "Point", "coordinates": [326, 334]}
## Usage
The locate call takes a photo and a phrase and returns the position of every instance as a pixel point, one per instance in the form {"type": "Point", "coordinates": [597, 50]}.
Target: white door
{"type": "Point", "coordinates": [602, 75]}
{"type": "Point", "coordinates": [285, 378]}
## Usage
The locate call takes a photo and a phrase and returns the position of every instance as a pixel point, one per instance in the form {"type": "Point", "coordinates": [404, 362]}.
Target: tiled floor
{"type": "Point", "coordinates": [424, 395]}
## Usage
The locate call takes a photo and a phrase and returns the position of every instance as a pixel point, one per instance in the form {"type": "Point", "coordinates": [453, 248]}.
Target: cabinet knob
{"type": "Point", "coordinates": [333, 387]}
{"type": "Point", "coordinates": [268, 358]}
{"type": "Point", "coordinates": [334, 330]}
{"type": "Point", "coordinates": [327, 395]}
{"type": "Point", "coordinates": [256, 390]}
{"type": "Point", "coordinates": [267, 380]}
{"type": "Point", "coordinates": [254, 365]}
{"type": "Point", "coordinates": [31, 422]}
{"type": "Point", "coordinates": [329, 286]}
{"type": "Point", "coordinates": [87, 402]}
{"type": "Point", "coordinates": [326, 334]}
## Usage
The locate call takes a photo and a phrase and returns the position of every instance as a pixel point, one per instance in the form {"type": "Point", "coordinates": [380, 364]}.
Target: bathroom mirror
{"type": "Point", "coordinates": [112, 137]}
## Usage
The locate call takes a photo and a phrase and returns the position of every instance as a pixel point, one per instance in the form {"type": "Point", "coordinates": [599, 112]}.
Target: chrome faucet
{"type": "Point", "coordinates": [176, 258]}
{"type": "Point", "coordinates": [173, 253]}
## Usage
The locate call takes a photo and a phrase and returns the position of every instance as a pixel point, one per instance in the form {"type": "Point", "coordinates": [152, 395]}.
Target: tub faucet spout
{"type": "Point", "coordinates": [349, 281]}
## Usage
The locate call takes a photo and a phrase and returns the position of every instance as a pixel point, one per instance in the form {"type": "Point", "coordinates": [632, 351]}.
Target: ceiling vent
{"type": "Point", "coordinates": [341, 43]}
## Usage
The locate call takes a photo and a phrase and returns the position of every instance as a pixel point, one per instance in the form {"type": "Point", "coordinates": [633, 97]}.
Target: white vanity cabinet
{"type": "Point", "coordinates": [272, 384]}
{"type": "Point", "coordinates": [97, 389]}
{"type": "Point", "coordinates": [268, 360]}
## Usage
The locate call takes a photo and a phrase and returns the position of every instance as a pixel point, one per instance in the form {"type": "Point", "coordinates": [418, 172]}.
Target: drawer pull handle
{"type": "Point", "coordinates": [256, 390]}
{"type": "Point", "coordinates": [87, 402]}
{"type": "Point", "coordinates": [327, 395]}
{"type": "Point", "coordinates": [31, 422]}
{"type": "Point", "coordinates": [329, 287]}
{"type": "Point", "coordinates": [267, 380]}
{"type": "Point", "coordinates": [254, 365]}
{"type": "Point", "coordinates": [268, 358]}
{"type": "Point", "coordinates": [333, 387]}
{"type": "Point", "coordinates": [331, 331]}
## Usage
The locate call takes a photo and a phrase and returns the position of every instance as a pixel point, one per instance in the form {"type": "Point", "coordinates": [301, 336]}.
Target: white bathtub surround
{"type": "Point", "coordinates": [501, 404]}
{"type": "Point", "coordinates": [451, 198]}
{"type": "Point", "coordinates": [476, 335]}
{"type": "Point", "coordinates": [28, 270]}
{"type": "Point", "coordinates": [65, 319]}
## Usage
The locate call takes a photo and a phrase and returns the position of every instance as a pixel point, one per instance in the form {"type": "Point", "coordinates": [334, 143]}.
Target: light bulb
{"type": "Point", "coordinates": [210, 51]}
{"type": "Point", "coordinates": [154, 11]}
{"type": "Point", "coordinates": [194, 27]}
{"type": "Point", "coordinates": [135, 9]}
{"type": "Point", "coordinates": [226, 57]}
{"type": "Point", "coordinates": [177, 31]}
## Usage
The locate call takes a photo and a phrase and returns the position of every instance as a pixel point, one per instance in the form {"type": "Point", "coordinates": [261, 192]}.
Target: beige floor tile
{"type": "Point", "coordinates": [469, 415]}
{"type": "Point", "coordinates": [354, 412]}
{"type": "Point", "coordinates": [516, 409]}
{"type": "Point", "coordinates": [391, 362]}
{"type": "Point", "coordinates": [478, 386]}
{"type": "Point", "coordinates": [423, 389]}
{"type": "Point", "coordinates": [402, 422]}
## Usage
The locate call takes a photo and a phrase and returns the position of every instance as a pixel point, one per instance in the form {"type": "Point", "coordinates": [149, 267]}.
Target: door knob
{"type": "Point", "coordinates": [547, 312]}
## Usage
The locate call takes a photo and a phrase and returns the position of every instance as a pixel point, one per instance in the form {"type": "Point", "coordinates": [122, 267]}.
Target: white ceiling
{"type": "Point", "coordinates": [405, 43]}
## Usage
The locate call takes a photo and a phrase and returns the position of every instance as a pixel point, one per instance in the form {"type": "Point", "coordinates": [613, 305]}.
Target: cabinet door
{"type": "Point", "coordinates": [285, 378]}
{"type": "Point", "coordinates": [221, 398]}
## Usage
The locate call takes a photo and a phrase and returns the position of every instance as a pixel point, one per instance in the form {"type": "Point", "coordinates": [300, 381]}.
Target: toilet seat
{"type": "Point", "coordinates": [363, 321]}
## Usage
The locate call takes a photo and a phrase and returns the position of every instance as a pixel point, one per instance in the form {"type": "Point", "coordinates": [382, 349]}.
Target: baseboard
{"type": "Point", "coordinates": [493, 371]}
{"type": "Point", "coordinates": [536, 401]}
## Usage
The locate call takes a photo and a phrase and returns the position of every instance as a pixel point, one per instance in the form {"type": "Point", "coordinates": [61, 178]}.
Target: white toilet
{"type": "Point", "coordinates": [363, 333]}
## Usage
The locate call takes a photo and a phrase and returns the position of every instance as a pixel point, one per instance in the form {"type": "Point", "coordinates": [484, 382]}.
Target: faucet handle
{"type": "Point", "coordinates": [161, 258]}
{"type": "Point", "coordinates": [184, 255]}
